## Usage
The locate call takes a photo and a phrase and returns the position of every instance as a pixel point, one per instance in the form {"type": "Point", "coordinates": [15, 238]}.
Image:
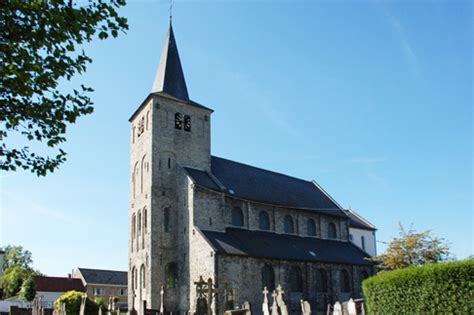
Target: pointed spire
{"type": "Point", "coordinates": [169, 76]}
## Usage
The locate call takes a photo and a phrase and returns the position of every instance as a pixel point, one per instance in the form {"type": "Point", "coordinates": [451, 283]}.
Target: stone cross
{"type": "Point", "coordinates": [351, 307]}
{"type": "Point", "coordinates": [274, 305]}
{"type": "Point", "coordinates": [162, 294]}
{"type": "Point", "coordinates": [246, 307]}
{"type": "Point", "coordinates": [281, 301]}
{"type": "Point", "coordinates": [265, 309]}
{"type": "Point", "coordinates": [337, 309]}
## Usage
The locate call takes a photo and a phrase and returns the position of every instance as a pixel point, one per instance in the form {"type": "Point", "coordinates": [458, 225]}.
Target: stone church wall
{"type": "Point", "coordinates": [245, 275]}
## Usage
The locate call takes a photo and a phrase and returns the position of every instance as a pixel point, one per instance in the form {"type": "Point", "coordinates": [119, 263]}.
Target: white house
{"type": "Point", "coordinates": [51, 288]}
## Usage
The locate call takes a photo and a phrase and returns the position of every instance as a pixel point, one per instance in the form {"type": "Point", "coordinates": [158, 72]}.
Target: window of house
{"type": "Point", "coordinates": [362, 241]}
{"type": "Point", "coordinates": [268, 277]}
{"type": "Point", "coordinates": [98, 291]}
{"type": "Point", "coordinates": [178, 121]}
{"type": "Point", "coordinates": [111, 292]}
{"type": "Point", "coordinates": [344, 281]}
{"type": "Point", "coordinates": [187, 123]}
{"type": "Point", "coordinates": [321, 280]}
{"type": "Point", "coordinates": [171, 275]}
{"type": "Point", "coordinates": [263, 220]}
{"type": "Point", "coordinates": [332, 234]}
{"type": "Point", "coordinates": [288, 224]}
{"type": "Point", "coordinates": [311, 227]}
{"type": "Point", "coordinates": [296, 281]}
{"type": "Point", "coordinates": [237, 217]}
{"type": "Point", "coordinates": [166, 219]}
{"type": "Point", "coordinates": [123, 292]}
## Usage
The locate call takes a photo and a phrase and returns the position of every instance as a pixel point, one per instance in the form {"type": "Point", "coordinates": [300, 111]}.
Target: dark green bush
{"type": "Point", "coordinates": [442, 288]}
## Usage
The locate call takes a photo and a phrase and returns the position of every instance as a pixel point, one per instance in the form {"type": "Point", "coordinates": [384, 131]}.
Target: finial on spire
{"type": "Point", "coordinates": [171, 10]}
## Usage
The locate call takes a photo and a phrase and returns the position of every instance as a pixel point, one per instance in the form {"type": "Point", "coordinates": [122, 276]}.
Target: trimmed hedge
{"type": "Point", "coordinates": [446, 288]}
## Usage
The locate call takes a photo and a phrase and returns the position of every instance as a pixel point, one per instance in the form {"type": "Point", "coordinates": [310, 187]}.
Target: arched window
{"type": "Point", "coordinates": [178, 121]}
{"type": "Point", "coordinates": [321, 281]}
{"type": "Point", "coordinates": [344, 281]}
{"type": "Point", "coordinates": [296, 281]}
{"type": "Point", "coordinates": [268, 277]}
{"type": "Point", "coordinates": [311, 227]}
{"type": "Point", "coordinates": [237, 217]}
{"type": "Point", "coordinates": [134, 222]}
{"type": "Point", "coordinates": [133, 135]}
{"type": "Point", "coordinates": [135, 179]}
{"type": "Point", "coordinates": [263, 220]}
{"type": "Point", "coordinates": [147, 119]}
{"type": "Point", "coordinates": [362, 241]}
{"type": "Point", "coordinates": [142, 276]}
{"type": "Point", "coordinates": [142, 170]}
{"type": "Point", "coordinates": [133, 279]}
{"type": "Point", "coordinates": [187, 123]}
{"type": "Point", "coordinates": [171, 275]}
{"type": "Point", "coordinates": [288, 224]}
{"type": "Point", "coordinates": [332, 233]}
{"type": "Point", "coordinates": [135, 283]}
{"type": "Point", "coordinates": [166, 219]}
{"type": "Point", "coordinates": [145, 221]}
{"type": "Point", "coordinates": [139, 222]}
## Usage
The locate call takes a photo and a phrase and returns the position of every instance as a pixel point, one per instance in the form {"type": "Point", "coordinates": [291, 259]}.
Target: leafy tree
{"type": "Point", "coordinates": [17, 267]}
{"type": "Point", "coordinates": [39, 48]}
{"type": "Point", "coordinates": [28, 290]}
{"type": "Point", "coordinates": [412, 249]}
{"type": "Point", "coordinates": [73, 300]}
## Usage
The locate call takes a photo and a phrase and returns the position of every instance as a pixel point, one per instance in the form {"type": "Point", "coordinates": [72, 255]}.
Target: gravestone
{"type": "Point", "coordinates": [63, 309]}
{"type": "Point", "coordinates": [82, 309]}
{"type": "Point", "coordinates": [162, 301]}
{"type": "Point", "coordinates": [281, 301]}
{"type": "Point", "coordinates": [337, 308]}
{"type": "Point", "coordinates": [274, 305]}
{"type": "Point", "coordinates": [305, 307]}
{"type": "Point", "coordinates": [246, 307]}
{"type": "Point", "coordinates": [265, 308]}
{"type": "Point", "coordinates": [351, 307]}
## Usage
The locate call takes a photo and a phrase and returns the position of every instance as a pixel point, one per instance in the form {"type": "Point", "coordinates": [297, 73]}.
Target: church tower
{"type": "Point", "coordinates": [168, 131]}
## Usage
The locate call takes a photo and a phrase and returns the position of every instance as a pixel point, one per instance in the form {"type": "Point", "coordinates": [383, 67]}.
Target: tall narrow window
{"type": "Point", "coordinates": [187, 123]}
{"type": "Point", "coordinates": [178, 121]}
{"type": "Point", "coordinates": [288, 224]}
{"type": "Point", "coordinates": [344, 281]}
{"type": "Point", "coordinates": [142, 276]}
{"type": "Point", "coordinates": [166, 219]}
{"type": "Point", "coordinates": [362, 241]}
{"type": "Point", "coordinates": [311, 227]}
{"type": "Point", "coordinates": [147, 119]}
{"type": "Point", "coordinates": [263, 220]}
{"type": "Point", "coordinates": [237, 217]}
{"type": "Point", "coordinates": [332, 233]}
{"type": "Point", "coordinates": [133, 279]}
{"type": "Point", "coordinates": [296, 281]}
{"type": "Point", "coordinates": [268, 277]}
{"type": "Point", "coordinates": [135, 284]}
{"type": "Point", "coordinates": [145, 219]}
{"type": "Point", "coordinates": [134, 225]}
{"type": "Point", "coordinates": [139, 222]}
{"type": "Point", "coordinates": [171, 275]}
{"type": "Point", "coordinates": [321, 281]}
{"type": "Point", "coordinates": [135, 179]}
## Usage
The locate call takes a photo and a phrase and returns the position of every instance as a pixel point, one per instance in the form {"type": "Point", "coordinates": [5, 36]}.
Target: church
{"type": "Point", "coordinates": [192, 215]}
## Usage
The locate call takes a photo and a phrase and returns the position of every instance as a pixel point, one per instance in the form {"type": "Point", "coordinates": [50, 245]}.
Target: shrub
{"type": "Point", "coordinates": [73, 303]}
{"type": "Point", "coordinates": [434, 288]}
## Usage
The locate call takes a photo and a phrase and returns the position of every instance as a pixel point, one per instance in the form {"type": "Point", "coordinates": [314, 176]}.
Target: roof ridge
{"type": "Point", "coordinates": [95, 269]}
{"type": "Point", "coordinates": [262, 169]}
{"type": "Point", "coordinates": [360, 217]}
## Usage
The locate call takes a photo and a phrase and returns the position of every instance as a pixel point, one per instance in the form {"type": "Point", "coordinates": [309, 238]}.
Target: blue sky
{"type": "Point", "coordinates": [371, 99]}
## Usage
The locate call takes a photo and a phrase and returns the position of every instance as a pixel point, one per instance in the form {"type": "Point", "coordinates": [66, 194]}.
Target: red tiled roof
{"type": "Point", "coordinates": [57, 284]}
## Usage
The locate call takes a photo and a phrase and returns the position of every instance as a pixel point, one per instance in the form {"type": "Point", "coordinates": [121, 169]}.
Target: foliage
{"type": "Point", "coordinates": [39, 42]}
{"type": "Point", "coordinates": [100, 301]}
{"type": "Point", "coordinates": [443, 288]}
{"type": "Point", "coordinates": [73, 300]}
{"type": "Point", "coordinates": [16, 269]}
{"type": "Point", "coordinates": [412, 249]}
{"type": "Point", "coordinates": [28, 290]}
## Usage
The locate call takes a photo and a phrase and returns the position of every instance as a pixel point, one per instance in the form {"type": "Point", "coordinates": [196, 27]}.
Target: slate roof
{"type": "Point", "coordinates": [356, 221]}
{"type": "Point", "coordinates": [261, 244]}
{"type": "Point", "coordinates": [57, 284]}
{"type": "Point", "coordinates": [169, 76]}
{"type": "Point", "coordinates": [108, 277]}
{"type": "Point", "coordinates": [259, 185]}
